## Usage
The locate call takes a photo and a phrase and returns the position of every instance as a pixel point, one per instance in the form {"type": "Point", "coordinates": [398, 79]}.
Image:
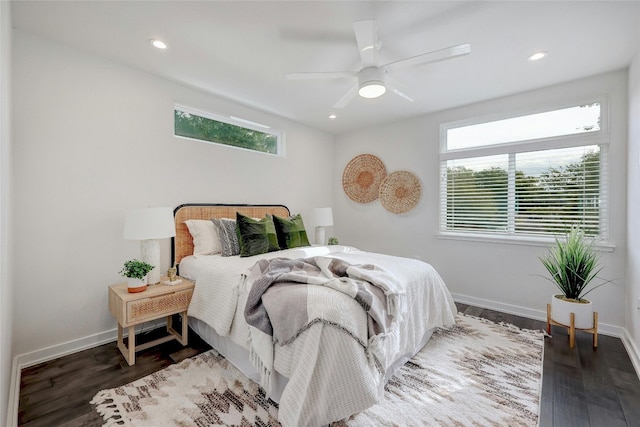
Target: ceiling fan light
{"type": "Point", "coordinates": [372, 89]}
{"type": "Point", "coordinates": [371, 82]}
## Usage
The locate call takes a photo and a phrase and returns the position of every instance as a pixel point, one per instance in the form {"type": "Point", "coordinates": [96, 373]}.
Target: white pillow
{"type": "Point", "coordinates": [205, 237]}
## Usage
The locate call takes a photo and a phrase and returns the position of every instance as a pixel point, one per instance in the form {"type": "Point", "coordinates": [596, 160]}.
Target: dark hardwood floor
{"type": "Point", "coordinates": [581, 387]}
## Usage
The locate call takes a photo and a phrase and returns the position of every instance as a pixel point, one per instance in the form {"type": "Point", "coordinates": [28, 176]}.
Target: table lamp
{"type": "Point", "coordinates": [323, 217]}
{"type": "Point", "coordinates": [149, 225]}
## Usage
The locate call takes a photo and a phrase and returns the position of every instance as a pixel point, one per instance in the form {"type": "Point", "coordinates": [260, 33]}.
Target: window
{"type": "Point", "coordinates": [233, 131]}
{"type": "Point", "coordinates": [532, 175]}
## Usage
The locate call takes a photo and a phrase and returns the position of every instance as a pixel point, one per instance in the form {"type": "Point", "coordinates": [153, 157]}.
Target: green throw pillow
{"type": "Point", "coordinates": [271, 233]}
{"type": "Point", "coordinates": [256, 236]}
{"type": "Point", "coordinates": [291, 232]}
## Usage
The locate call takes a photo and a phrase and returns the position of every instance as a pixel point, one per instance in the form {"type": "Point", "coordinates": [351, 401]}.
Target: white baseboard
{"type": "Point", "coordinates": [14, 395]}
{"type": "Point", "coordinates": [603, 328]}
{"type": "Point", "coordinates": [59, 350]}
{"type": "Point", "coordinates": [634, 354]}
{"type": "Point", "coordinates": [32, 358]}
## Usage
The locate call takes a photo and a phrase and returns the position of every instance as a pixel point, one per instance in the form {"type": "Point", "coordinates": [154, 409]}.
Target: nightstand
{"type": "Point", "coordinates": [157, 301]}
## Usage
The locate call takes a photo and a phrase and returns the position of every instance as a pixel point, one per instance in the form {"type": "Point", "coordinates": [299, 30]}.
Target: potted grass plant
{"type": "Point", "coordinates": [135, 272]}
{"type": "Point", "coordinates": [573, 264]}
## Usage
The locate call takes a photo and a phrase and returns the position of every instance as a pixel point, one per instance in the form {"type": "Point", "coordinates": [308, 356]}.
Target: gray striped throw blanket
{"type": "Point", "coordinates": [276, 309]}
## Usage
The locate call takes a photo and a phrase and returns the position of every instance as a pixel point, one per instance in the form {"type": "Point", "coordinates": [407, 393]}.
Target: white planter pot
{"type": "Point", "coordinates": [561, 309]}
{"type": "Point", "coordinates": [136, 285]}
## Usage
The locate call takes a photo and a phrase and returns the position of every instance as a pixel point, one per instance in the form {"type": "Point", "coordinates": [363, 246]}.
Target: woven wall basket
{"type": "Point", "coordinates": [362, 177]}
{"type": "Point", "coordinates": [400, 192]}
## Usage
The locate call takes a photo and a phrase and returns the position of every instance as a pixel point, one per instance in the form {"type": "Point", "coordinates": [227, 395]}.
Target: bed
{"type": "Point", "coordinates": [334, 365]}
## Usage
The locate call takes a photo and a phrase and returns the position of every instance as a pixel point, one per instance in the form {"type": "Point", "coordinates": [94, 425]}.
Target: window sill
{"type": "Point", "coordinates": [514, 240]}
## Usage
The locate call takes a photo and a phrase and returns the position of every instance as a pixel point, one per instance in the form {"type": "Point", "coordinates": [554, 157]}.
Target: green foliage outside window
{"type": "Point", "coordinates": [202, 128]}
{"type": "Point", "coordinates": [476, 200]}
{"type": "Point", "coordinates": [550, 203]}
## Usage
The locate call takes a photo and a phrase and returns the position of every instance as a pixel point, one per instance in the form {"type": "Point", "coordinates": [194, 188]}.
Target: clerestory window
{"type": "Point", "coordinates": [231, 131]}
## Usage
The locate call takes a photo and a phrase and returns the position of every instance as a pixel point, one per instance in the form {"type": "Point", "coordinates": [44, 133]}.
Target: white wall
{"type": "Point", "coordinates": [6, 290]}
{"type": "Point", "coordinates": [497, 275]}
{"type": "Point", "coordinates": [633, 212]}
{"type": "Point", "coordinates": [93, 138]}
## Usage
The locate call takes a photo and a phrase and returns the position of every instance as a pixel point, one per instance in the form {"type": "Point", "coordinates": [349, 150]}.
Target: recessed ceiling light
{"type": "Point", "coordinates": [537, 56]}
{"type": "Point", "coordinates": [332, 116]}
{"type": "Point", "coordinates": [159, 44]}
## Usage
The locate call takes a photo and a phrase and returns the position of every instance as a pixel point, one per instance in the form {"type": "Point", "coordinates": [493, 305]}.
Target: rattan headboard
{"type": "Point", "coordinates": [182, 244]}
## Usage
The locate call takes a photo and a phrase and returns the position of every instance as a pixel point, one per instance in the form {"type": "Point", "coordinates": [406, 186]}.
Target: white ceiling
{"type": "Point", "coordinates": [242, 50]}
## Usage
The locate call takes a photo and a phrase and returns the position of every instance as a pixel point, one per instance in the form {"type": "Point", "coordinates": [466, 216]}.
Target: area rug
{"type": "Point", "coordinates": [476, 373]}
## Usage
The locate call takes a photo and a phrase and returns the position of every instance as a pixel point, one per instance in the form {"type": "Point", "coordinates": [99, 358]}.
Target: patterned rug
{"type": "Point", "coordinates": [476, 373]}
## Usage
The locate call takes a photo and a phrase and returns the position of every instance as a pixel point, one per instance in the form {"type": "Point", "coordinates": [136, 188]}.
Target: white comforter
{"type": "Point", "coordinates": [330, 376]}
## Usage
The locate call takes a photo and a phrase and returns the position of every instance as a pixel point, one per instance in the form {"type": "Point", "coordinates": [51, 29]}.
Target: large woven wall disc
{"type": "Point", "coordinates": [362, 177]}
{"type": "Point", "coordinates": [400, 192]}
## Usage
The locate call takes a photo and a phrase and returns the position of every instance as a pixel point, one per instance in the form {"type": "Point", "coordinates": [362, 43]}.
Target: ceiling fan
{"type": "Point", "coordinates": [374, 79]}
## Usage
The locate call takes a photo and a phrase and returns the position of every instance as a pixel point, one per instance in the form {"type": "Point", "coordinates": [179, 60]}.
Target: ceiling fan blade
{"type": "Point", "coordinates": [398, 88]}
{"type": "Point", "coordinates": [367, 37]}
{"type": "Point", "coordinates": [321, 75]}
{"type": "Point", "coordinates": [430, 57]}
{"type": "Point", "coordinates": [347, 97]}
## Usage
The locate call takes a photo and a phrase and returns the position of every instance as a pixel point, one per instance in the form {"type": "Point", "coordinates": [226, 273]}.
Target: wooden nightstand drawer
{"type": "Point", "coordinates": [159, 306]}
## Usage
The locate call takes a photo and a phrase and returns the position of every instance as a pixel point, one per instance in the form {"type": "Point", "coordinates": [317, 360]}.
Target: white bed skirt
{"type": "Point", "coordinates": [239, 356]}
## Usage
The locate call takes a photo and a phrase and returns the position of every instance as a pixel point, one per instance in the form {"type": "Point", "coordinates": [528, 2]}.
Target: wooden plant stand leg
{"type": "Point", "coordinates": [571, 328]}
{"type": "Point", "coordinates": [595, 329]}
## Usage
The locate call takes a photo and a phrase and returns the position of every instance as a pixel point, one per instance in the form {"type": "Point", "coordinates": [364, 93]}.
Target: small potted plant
{"type": "Point", "coordinates": [135, 271]}
{"type": "Point", "coordinates": [332, 241]}
{"type": "Point", "coordinates": [573, 264]}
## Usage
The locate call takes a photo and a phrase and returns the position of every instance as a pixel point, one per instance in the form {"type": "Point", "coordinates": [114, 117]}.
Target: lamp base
{"type": "Point", "coordinates": [150, 253]}
{"type": "Point", "coordinates": [320, 236]}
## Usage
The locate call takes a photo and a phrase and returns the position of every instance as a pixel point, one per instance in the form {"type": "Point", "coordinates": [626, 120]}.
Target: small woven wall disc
{"type": "Point", "coordinates": [400, 192]}
{"type": "Point", "coordinates": [362, 177]}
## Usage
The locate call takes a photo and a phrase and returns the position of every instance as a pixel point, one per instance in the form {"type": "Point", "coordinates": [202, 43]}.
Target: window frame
{"type": "Point", "coordinates": [600, 138]}
{"type": "Point", "coordinates": [233, 121]}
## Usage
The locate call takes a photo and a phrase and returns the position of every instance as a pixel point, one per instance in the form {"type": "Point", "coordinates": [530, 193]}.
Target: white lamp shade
{"type": "Point", "coordinates": [149, 223]}
{"type": "Point", "coordinates": [323, 217]}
